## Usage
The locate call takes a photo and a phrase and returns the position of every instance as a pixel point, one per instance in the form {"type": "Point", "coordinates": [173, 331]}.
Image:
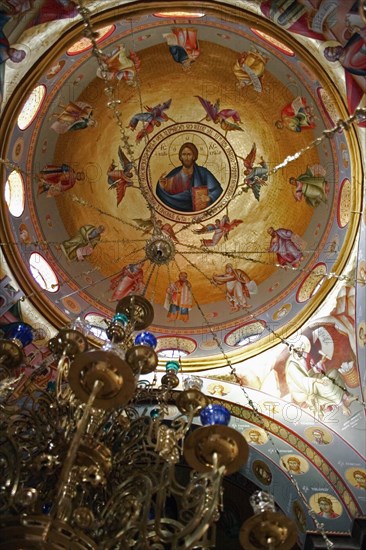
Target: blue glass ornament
{"type": "Point", "coordinates": [172, 365]}
{"type": "Point", "coordinates": [154, 413]}
{"type": "Point", "coordinates": [146, 339]}
{"type": "Point", "coordinates": [46, 508]}
{"type": "Point", "coordinates": [21, 332]}
{"type": "Point", "coordinates": [215, 414]}
{"type": "Point", "coordinates": [121, 318]}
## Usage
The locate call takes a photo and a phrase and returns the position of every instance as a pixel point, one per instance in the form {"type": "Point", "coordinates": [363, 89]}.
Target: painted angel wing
{"type": "Point", "coordinates": [166, 105]}
{"type": "Point", "coordinates": [125, 163]}
{"type": "Point", "coordinates": [210, 109]}
{"type": "Point", "coordinates": [121, 191]}
{"type": "Point", "coordinates": [250, 158]}
{"type": "Point", "coordinates": [256, 188]}
{"type": "Point", "coordinates": [147, 224]}
{"type": "Point", "coordinates": [233, 224]}
{"type": "Point", "coordinates": [228, 126]}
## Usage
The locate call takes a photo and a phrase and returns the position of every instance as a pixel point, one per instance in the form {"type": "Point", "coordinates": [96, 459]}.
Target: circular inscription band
{"type": "Point", "coordinates": [216, 170]}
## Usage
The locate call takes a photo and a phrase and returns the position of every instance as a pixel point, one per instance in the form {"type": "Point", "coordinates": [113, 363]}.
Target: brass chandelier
{"type": "Point", "coordinates": [94, 463]}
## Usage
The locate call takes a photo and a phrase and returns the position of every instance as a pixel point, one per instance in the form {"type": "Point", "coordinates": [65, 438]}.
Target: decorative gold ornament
{"type": "Point", "coordinates": [114, 373]}
{"type": "Point", "coordinates": [191, 401]}
{"type": "Point", "coordinates": [141, 359]}
{"type": "Point", "coordinates": [268, 531]}
{"type": "Point", "coordinates": [138, 310]}
{"type": "Point", "coordinates": [229, 445]}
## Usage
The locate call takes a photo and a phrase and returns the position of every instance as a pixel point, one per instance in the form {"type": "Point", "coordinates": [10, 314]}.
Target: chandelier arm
{"type": "Point", "coordinates": [72, 451]}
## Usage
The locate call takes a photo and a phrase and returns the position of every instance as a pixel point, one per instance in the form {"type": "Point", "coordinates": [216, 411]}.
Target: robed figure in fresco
{"type": "Point", "coordinates": [190, 187]}
{"type": "Point", "coordinates": [179, 299]}
{"type": "Point", "coordinates": [297, 116]}
{"type": "Point", "coordinates": [55, 180]}
{"type": "Point", "coordinates": [237, 290]}
{"type": "Point", "coordinates": [82, 243]}
{"type": "Point", "coordinates": [75, 116]}
{"type": "Point", "coordinates": [249, 69]}
{"type": "Point", "coordinates": [308, 386]}
{"type": "Point", "coordinates": [282, 243]}
{"type": "Point", "coordinates": [7, 52]}
{"type": "Point", "coordinates": [129, 281]}
{"type": "Point", "coordinates": [311, 186]}
{"type": "Point", "coordinates": [183, 45]}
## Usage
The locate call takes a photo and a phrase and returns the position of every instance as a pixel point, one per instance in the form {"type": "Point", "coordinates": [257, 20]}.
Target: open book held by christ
{"type": "Point", "coordinates": [200, 198]}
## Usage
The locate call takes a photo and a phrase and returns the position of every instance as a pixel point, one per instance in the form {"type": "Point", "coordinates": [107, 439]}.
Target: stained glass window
{"type": "Point", "coordinates": [276, 43]}
{"type": "Point", "coordinates": [84, 44]}
{"type": "Point", "coordinates": [43, 273]}
{"type": "Point", "coordinates": [31, 107]}
{"type": "Point", "coordinates": [14, 194]}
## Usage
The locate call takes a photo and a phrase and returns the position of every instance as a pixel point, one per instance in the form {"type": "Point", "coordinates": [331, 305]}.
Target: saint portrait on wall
{"type": "Point", "coordinates": [218, 389]}
{"type": "Point", "coordinates": [255, 436]}
{"type": "Point", "coordinates": [357, 477]}
{"type": "Point", "coordinates": [189, 187]}
{"type": "Point", "coordinates": [326, 505]}
{"type": "Point", "coordinates": [187, 168]}
{"type": "Point", "coordinates": [294, 464]}
{"type": "Point", "coordinates": [319, 436]}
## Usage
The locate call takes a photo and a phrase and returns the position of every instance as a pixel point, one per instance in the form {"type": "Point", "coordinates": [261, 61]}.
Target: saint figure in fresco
{"type": "Point", "coordinates": [237, 291]}
{"type": "Point", "coordinates": [52, 10]}
{"type": "Point", "coordinates": [311, 186]}
{"type": "Point", "coordinates": [75, 116]}
{"type": "Point", "coordinates": [183, 45]}
{"type": "Point", "coordinates": [249, 69]}
{"type": "Point", "coordinates": [190, 187]}
{"type": "Point", "coordinates": [129, 281]}
{"type": "Point", "coordinates": [179, 299]}
{"type": "Point", "coordinates": [7, 53]}
{"type": "Point", "coordinates": [308, 386]}
{"type": "Point", "coordinates": [359, 479]}
{"type": "Point", "coordinates": [55, 180]}
{"type": "Point", "coordinates": [319, 437]}
{"type": "Point", "coordinates": [82, 243]}
{"type": "Point", "coordinates": [255, 437]}
{"type": "Point", "coordinates": [282, 244]}
{"type": "Point", "coordinates": [329, 20]}
{"type": "Point", "coordinates": [296, 116]}
{"type": "Point", "coordinates": [293, 465]}
{"type": "Point", "coordinates": [16, 7]}
{"type": "Point", "coordinates": [352, 57]}
{"type": "Point", "coordinates": [326, 508]}
{"type": "Point", "coordinates": [120, 66]}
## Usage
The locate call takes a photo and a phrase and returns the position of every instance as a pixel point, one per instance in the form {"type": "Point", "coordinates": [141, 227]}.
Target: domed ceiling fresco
{"type": "Point", "coordinates": [191, 158]}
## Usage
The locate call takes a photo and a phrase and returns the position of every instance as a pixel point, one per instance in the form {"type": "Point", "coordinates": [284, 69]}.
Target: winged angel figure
{"type": "Point", "coordinates": [255, 176]}
{"type": "Point", "coordinates": [120, 179]}
{"type": "Point", "coordinates": [221, 229]}
{"type": "Point", "coordinates": [153, 116]}
{"type": "Point", "coordinates": [214, 114]}
{"type": "Point", "coordinates": [74, 116]}
{"type": "Point", "coordinates": [147, 225]}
